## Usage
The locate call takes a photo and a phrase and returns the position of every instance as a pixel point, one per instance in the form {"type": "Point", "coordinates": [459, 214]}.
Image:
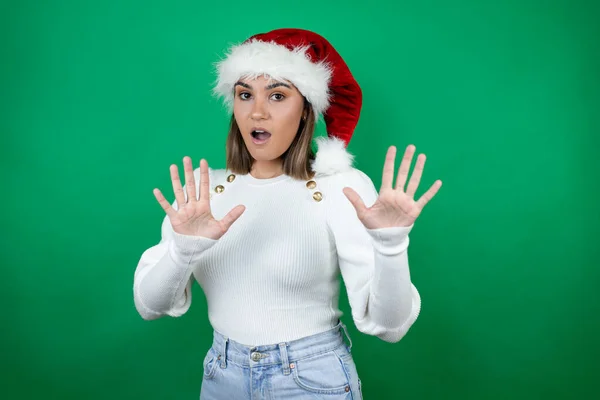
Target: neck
{"type": "Point", "coordinates": [267, 169]}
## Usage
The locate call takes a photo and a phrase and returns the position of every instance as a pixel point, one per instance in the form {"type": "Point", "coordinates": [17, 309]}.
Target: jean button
{"type": "Point", "coordinates": [255, 356]}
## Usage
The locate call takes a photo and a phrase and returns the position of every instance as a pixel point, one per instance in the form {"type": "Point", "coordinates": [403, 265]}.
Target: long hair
{"type": "Point", "coordinates": [296, 159]}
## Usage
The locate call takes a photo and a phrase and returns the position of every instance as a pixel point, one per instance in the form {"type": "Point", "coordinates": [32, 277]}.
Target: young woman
{"type": "Point", "coordinates": [268, 237]}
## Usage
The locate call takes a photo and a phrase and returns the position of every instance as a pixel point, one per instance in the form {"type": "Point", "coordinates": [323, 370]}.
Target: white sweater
{"type": "Point", "coordinates": [274, 276]}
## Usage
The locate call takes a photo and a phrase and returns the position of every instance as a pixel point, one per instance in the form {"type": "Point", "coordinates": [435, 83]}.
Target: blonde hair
{"type": "Point", "coordinates": [296, 159]}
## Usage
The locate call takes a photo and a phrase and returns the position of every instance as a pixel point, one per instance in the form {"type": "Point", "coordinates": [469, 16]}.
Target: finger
{"type": "Point", "coordinates": [405, 166]}
{"type": "Point", "coordinates": [232, 216]}
{"type": "Point", "coordinates": [164, 203]}
{"type": "Point", "coordinates": [415, 179]}
{"type": "Point", "coordinates": [388, 168]}
{"type": "Point", "coordinates": [204, 181]}
{"type": "Point", "coordinates": [190, 183]}
{"type": "Point", "coordinates": [356, 201]}
{"type": "Point", "coordinates": [428, 195]}
{"type": "Point", "coordinates": [177, 188]}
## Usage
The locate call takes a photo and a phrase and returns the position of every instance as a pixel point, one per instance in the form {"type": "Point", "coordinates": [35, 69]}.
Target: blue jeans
{"type": "Point", "coordinates": [314, 367]}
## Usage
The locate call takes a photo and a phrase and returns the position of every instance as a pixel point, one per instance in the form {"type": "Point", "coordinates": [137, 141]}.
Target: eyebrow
{"type": "Point", "coordinates": [269, 87]}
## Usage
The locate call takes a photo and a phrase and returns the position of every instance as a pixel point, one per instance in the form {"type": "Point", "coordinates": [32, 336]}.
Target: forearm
{"type": "Point", "coordinates": [163, 275]}
{"type": "Point", "coordinates": [391, 306]}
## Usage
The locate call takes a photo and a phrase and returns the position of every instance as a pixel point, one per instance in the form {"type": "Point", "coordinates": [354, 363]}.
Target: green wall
{"type": "Point", "coordinates": [99, 98]}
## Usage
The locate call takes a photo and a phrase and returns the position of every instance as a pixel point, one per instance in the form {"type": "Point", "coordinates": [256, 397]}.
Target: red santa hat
{"type": "Point", "coordinates": [308, 61]}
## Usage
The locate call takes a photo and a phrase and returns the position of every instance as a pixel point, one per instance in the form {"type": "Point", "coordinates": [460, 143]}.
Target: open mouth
{"type": "Point", "coordinates": [260, 136]}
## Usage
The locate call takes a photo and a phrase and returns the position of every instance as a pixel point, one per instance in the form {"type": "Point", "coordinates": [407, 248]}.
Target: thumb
{"type": "Point", "coordinates": [232, 216]}
{"type": "Point", "coordinates": [355, 199]}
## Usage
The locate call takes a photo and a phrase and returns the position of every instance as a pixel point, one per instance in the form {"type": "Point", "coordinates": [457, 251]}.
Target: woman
{"type": "Point", "coordinates": [268, 236]}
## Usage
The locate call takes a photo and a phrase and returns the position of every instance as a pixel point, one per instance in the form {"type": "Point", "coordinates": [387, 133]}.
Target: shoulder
{"type": "Point", "coordinates": [214, 175]}
{"type": "Point", "coordinates": [339, 208]}
{"type": "Point", "coordinates": [353, 177]}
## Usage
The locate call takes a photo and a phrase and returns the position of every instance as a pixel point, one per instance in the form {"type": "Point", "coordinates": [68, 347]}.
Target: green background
{"type": "Point", "coordinates": [99, 98]}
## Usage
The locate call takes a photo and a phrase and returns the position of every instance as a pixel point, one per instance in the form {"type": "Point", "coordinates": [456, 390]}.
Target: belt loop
{"type": "Point", "coordinates": [224, 353]}
{"type": "Point", "coordinates": [284, 358]}
{"type": "Point", "coordinates": [347, 335]}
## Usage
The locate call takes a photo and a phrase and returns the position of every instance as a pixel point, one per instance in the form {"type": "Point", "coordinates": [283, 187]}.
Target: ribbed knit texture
{"type": "Point", "coordinates": [274, 276]}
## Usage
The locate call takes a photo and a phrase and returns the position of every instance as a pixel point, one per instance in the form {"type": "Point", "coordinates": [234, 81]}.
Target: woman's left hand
{"type": "Point", "coordinates": [395, 207]}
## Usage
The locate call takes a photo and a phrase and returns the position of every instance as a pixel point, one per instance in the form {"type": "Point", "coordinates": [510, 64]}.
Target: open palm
{"type": "Point", "coordinates": [193, 215]}
{"type": "Point", "coordinates": [395, 206]}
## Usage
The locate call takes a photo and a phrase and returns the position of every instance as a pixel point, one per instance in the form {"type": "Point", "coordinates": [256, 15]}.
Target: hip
{"type": "Point", "coordinates": [319, 365]}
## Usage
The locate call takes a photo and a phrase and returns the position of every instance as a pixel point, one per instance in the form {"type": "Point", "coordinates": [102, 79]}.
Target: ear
{"type": "Point", "coordinates": [305, 110]}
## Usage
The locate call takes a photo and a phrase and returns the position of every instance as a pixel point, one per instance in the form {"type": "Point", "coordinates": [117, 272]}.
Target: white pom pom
{"type": "Point", "coordinates": [332, 156]}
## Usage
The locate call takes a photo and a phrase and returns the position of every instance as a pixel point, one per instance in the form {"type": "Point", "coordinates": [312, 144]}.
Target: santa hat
{"type": "Point", "coordinates": [310, 62]}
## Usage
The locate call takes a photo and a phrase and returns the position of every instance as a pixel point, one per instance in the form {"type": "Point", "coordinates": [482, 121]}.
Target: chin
{"type": "Point", "coordinates": [263, 157]}
{"type": "Point", "coordinates": [259, 152]}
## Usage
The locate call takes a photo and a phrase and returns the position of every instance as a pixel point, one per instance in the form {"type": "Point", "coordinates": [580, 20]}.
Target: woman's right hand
{"type": "Point", "coordinates": [194, 217]}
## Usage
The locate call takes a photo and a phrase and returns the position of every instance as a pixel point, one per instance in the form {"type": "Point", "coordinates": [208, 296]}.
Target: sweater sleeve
{"type": "Point", "coordinates": [373, 263]}
{"type": "Point", "coordinates": [163, 278]}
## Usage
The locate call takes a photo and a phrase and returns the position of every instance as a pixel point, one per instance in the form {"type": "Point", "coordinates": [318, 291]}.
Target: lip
{"type": "Point", "coordinates": [256, 141]}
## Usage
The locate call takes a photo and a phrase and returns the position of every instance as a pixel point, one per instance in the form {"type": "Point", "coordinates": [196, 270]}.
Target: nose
{"type": "Point", "coordinates": [259, 109]}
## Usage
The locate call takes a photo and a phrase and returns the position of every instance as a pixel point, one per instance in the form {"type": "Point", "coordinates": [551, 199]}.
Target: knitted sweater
{"type": "Point", "coordinates": [274, 276]}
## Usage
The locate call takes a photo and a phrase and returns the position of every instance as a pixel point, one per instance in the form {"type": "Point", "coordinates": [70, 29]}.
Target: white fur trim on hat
{"type": "Point", "coordinates": [255, 58]}
{"type": "Point", "coordinates": [332, 156]}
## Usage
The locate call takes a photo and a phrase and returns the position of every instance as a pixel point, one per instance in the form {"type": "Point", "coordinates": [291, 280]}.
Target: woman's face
{"type": "Point", "coordinates": [268, 114]}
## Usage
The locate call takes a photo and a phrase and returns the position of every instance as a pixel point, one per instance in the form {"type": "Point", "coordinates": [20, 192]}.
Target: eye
{"type": "Point", "coordinates": [244, 95]}
{"type": "Point", "coordinates": [277, 96]}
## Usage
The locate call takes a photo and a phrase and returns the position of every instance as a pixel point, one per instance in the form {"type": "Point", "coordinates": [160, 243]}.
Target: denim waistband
{"type": "Point", "coordinates": [281, 353]}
